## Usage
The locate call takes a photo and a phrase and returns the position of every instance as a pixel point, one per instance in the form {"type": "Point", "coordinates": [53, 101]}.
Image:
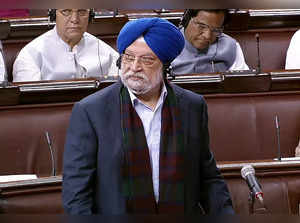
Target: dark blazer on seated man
{"type": "Point", "coordinates": [110, 161]}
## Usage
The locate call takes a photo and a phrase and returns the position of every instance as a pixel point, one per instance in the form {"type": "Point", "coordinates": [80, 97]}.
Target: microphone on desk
{"type": "Point", "coordinates": [49, 142]}
{"type": "Point", "coordinates": [116, 12]}
{"type": "Point", "coordinates": [248, 173]}
{"type": "Point", "coordinates": [278, 138]}
{"type": "Point", "coordinates": [258, 71]}
{"type": "Point", "coordinates": [214, 56]}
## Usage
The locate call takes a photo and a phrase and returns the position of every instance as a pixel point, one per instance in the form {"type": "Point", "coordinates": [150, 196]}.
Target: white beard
{"type": "Point", "coordinates": [142, 84]}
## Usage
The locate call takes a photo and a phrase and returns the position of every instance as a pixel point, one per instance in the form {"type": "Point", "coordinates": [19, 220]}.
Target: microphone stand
{"type": "Point", "coordinates": [49, 143]}
{"type": "Point", "coordinates": [254, 206]}
{"type": "Point", "coordinates": [258, 71]}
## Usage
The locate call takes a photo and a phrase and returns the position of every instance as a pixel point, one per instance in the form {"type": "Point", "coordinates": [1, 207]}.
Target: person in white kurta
{"type": "Point", "coordinates": [293, 53]}
{"type": "Point", "coordinates": [3, 76]}
{"type": "Point", "coordinates": [65, 52]}
{"type": "Point", "coordinates": [2, 68]}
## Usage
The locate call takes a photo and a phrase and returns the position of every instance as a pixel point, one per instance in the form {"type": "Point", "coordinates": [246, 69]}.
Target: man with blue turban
{"type": "Point", "coordinates": [141, 145]}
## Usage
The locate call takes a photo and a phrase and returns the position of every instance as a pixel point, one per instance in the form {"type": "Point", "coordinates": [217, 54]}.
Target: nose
{"type": "Point", "coordinates": [74, 17]}
{"type": "Point", "coordinates": [207, 34]}
{"type": "Point", "coordinates": [136, 65]}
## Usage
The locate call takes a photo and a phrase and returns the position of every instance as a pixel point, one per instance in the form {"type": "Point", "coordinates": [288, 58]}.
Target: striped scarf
{"type": "Point", "coordinates": [137, 182]}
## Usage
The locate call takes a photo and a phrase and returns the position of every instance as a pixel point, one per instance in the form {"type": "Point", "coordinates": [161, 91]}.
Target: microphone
{"type": "Point", "coordinates": [49, 142]}
{"type": "Point", "coordinates": [214, 56]}
{"type": "Point", "coordinates": [278, 138]}
{"type": "Point", "coordinates": [116, 12]}
{"type": "Point", "coordinates": [258, 71]}
{"type": "Point", "coordinates": [248, 173]}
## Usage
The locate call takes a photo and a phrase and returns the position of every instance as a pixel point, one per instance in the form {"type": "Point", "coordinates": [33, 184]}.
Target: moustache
{"type": "Point", "coordinates": [135, 75]}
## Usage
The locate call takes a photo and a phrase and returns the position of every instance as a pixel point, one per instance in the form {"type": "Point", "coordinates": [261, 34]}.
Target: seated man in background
{"type": "Point", "coordinates": [2, 65]}
{"type": "Point", "coordinates": [65, 52]}
{"type": "Point", "coordinates": [207, 48]}
{"type": "Point", "coordinates": [297, 150]}
{"type": "Point", "coordinates": [293, 53]}
{"type": "Point", "coordinates": [141, 145]}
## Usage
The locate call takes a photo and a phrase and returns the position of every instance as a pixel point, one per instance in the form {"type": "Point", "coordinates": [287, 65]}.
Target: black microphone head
{"type": "Point", "coordinates": [258, 70]}
{"type": "Point", "coordinates": [246, 170]}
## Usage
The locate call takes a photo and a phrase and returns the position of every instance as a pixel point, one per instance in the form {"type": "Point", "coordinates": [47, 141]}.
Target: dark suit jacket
{"type": "Point", "coordinates": [93, 156]}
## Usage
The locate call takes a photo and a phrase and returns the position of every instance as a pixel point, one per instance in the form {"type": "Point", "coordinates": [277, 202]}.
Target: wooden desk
{"type": "Point", "coordinates": [280, 183]}
{"type": "Point", "coordinates": [214, 83]}
{"type": "Point", "coordinates": [38, 196]}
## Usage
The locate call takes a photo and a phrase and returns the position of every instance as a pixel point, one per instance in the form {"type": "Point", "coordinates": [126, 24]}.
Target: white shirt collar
{"type": "Point", "coordinates": [66, 46]}
{"type": "Point", "coordinates": [162, 96]}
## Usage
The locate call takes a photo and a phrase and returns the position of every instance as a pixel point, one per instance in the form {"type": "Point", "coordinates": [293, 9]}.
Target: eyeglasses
{"type": "Point", "coordinates": [204, 28]}
{"type": "Point", "coordinates": [145, 60]}
{"type": "Point", "coordinates": [69, 12]}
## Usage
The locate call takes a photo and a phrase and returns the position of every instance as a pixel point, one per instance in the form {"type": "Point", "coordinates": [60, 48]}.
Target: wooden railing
{"type": "Point", "coordinates": [73, 90]}
{"type": "Point", "coordinates": [280, 182]}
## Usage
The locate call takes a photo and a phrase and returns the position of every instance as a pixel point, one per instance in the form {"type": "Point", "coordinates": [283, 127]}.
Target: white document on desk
{"type": "Point", "coordinates": [19, 177]}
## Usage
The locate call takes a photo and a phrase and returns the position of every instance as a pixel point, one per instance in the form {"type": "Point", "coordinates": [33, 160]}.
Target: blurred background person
{"type": "Point", "coordinates": [297, 150]}
{"type": "Point", "coordinates": [65, 52]}
{"type": "Point", "coordinates": [293, 54]}
{"type": "Point", "coordinates": [207, 48]}
{"type": "Point", "coordinates": [3, 76]}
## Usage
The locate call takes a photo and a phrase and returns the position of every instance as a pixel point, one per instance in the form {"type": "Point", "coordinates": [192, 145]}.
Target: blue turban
{"type": "Point", "coordinates": [164, 38]}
